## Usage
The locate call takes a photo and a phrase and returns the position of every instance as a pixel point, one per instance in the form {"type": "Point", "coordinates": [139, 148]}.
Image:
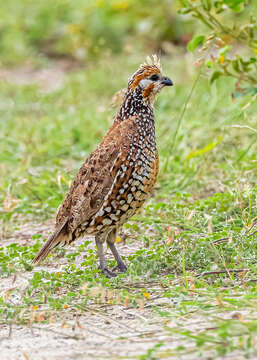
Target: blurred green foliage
{"type": "Point", "coordinates": [35, 31]}
{"type": "Point", "coordinates": [83, 29]}
{"type": "Point", "coordinates": [230, 46]}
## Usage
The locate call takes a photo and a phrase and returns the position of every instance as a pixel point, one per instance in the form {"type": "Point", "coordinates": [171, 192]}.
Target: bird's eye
{"type": "Point", "coordinates": [154, 77]}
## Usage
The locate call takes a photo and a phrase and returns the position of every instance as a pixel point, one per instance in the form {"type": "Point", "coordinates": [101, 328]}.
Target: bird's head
{"type": "Point", "coordinates": [149, 80]}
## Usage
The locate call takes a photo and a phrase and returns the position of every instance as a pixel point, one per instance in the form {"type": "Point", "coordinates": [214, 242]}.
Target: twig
{"type": "Point", "coordinates": [10, 331]}
{"type": "Point", "coordinates": [136, 315]}
{"type": "Point", "coordinates": [215, 242]}
{"type": "Point", "coordinates": [206, 273]}
{"type": "Point", "coordinates": [75, 337]}
{"type": "Point", "coordinates": [253, 233]}
{"type": "Point", "coordinates": [245, 126]}
{"type": "Point", "coordinates": [251, 227]}
{"type": "Point", "coordinates": [250, 281]}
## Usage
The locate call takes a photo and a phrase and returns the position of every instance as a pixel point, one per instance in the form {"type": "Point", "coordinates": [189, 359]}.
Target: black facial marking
{"type": "Point", "coordinates": [154, 77]}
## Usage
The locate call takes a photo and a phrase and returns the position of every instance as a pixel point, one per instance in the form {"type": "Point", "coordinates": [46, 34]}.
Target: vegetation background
{"type": "Point", "coordinates": [190, 291]}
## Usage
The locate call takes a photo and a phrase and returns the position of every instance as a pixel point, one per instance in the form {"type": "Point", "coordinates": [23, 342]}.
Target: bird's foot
{"type": "Point", "coordinates": [109, 274]}
{"type": "Point", "coordinates": [120, 267]}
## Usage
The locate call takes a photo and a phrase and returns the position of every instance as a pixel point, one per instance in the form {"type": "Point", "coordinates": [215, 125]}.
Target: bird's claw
{"type": "Point", "coordinates": [121, 268]}
{"type": "Point", "coordinates": [109, 274]}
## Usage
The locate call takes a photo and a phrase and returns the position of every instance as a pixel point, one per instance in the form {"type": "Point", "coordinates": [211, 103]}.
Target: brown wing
{"type": "Point", "coordinates": [95, 178]}
{"type": "Point", "coordinates": [84, 197]}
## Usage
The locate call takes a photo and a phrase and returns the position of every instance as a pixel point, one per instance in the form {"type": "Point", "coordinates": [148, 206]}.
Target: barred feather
{"type": "Point", "coordinates": [58, 237]}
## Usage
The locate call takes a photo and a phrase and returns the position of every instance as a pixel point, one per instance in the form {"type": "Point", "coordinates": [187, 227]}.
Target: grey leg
{"type": "Point", "coordinates": [103, 265]}
{"type": "Point", "coordinates": [111, 243]}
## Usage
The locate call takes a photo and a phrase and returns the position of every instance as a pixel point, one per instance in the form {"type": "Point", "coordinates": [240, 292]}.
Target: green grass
{"type": "Point", "coordinates": [198, 240]}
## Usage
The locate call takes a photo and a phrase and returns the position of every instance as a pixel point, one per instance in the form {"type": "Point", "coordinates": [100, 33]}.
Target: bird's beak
{"type": "Point", "coordinates": [166, 81]}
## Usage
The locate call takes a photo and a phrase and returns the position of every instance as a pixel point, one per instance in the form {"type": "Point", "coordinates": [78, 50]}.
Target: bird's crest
{"type": "Point", "coordinates": [154, 61]}
{"type": "Point", "coordinates": [149, 67]}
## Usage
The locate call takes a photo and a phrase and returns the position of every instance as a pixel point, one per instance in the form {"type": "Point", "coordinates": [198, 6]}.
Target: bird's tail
{"type": "Point", "coordinates": [58, 237]}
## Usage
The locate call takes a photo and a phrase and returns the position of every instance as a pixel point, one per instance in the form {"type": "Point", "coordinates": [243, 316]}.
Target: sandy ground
{"type": "Point", "coordinates": [103, 331]}
{"type": "Point", "coordinates": [116, 333]}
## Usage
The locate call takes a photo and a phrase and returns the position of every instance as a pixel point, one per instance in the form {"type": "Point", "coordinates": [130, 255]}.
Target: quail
{"type": "Point", "coordinates": [118, 175]}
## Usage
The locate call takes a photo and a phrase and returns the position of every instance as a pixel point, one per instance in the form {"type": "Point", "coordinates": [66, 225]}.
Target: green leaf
{"type": "Point", "coordinates": [206, 4]}
{"type": "Point", "coordinates": [225, 49]}
{"type": "Point", "coordinates": [198, 40]}
{"type": "Point", "coordinates": [207, 148]}
{"type": "Point", "coordinates": [235, 5]}
{"type": "Point", "coordinates": [208, 63]}
{"type": "Point", "coordinates": [185, 11]}
{"type": "Point", "coordinates": [215, 75]}
{"type": "Point", "coordinates": [235, 65]}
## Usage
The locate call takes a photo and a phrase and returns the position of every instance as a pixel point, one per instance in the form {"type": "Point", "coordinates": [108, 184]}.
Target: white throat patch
{"type": "Point", "coordinates": [144, 83]}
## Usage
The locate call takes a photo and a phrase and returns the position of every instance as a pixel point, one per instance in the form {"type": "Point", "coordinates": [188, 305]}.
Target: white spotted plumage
{"type": "Point", "coordinates": [119, 175]}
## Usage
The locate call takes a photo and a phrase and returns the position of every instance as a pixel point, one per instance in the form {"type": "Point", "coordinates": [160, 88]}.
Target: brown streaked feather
{"type": "Point", "coordinates": [59, 236]}
{"type": "Point", "coordinates": [137, 80]}
{"type": "Point", "coordinates": [143, 72]}
{"type": "Point", "coordinates": [147, 91]}
{"type": "Point", "coordinates": [91, 185]}
{"type": "Point", "coordinates": [118, 176]}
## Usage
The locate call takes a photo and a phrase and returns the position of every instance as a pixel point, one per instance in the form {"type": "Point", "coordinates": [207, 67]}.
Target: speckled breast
{"type": "Point", "coordinates": [133, 181]}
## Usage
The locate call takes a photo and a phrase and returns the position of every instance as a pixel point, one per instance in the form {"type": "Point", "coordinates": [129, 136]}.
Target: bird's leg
{"type": "Point", "coordinates": [111, 243]}
{"type": "Point", "coordinates": [121, 265]}
{"type": "Point", "coordinates": [103, 265]}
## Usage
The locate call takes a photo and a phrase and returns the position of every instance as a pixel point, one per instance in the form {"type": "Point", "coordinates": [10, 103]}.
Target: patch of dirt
{"type": "Point", "coordinates": [119, 334]}
{"type": "Point", "coordinates": [100, 331]}
{"type": "Point", "coordinates": [48, 79]}
{"type": "Point", "coordinates": [111, 333]}
{"type": "Point", "coordinates": [103, 332]}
